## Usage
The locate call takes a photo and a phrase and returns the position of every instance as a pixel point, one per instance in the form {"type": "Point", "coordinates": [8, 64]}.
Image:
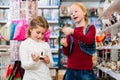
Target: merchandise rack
{"type": "Point", "coordinates": [114, 29]}
{"type": "Point", "coordinates": [115, 6]}
{"type": "Point", "coordinates": [4, 60]}
{"type": "Point", "coordinates": [113, 74]}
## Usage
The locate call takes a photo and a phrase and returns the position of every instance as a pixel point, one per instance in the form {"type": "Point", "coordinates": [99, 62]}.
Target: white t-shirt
{"type": "Point", "coordinates": [35, 70]}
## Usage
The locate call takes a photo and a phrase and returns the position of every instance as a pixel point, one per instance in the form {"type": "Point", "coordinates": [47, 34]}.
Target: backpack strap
{"type": "Point", "coordinates": [86, 31]}
{"type": "Point", "coordinates": [71, 45]}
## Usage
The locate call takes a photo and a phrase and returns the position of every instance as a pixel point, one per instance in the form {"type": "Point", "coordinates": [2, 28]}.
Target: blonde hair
{"type": "Point", "coordinates": [83, 8]}
{"type": "Point", "coordinates": [37, 21]}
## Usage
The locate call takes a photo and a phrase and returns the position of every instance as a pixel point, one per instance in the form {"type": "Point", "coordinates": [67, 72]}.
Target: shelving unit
{"type": "Point", "coordinates": [114, 49]}
{"type": "Point", "coordinates": [4, 12]}
{"type": "Point", "coordinates": [4, 7]}
{"type": "Point", "coordinates": [109, 72]}
{"type": "Point", "coordinates": [115, 6]}
{"type": "Point", "coordinates": [4, 60]}
{"type": "Point", "coordinates": [3, 22]}
{"type": "Point", "coordinates": [116, 25]}
{"type": "Point", "coordinates": [4, 49]}
{"type": "Point", "coordinates": [65, 21]}
{"type": "Point", "coordinates": [7, 53]}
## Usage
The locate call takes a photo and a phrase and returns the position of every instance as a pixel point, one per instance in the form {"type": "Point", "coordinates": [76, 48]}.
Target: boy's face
{"type": "Point", "coordinates": [77, 15]}
{"type": "Point", "coordinates": [37, 34]}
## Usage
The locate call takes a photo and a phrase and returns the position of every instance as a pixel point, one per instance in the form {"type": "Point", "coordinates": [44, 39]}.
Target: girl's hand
{"type": "Point", "coordinates": [64, 42]}
{"type": "Point", "coordinates": [67, 30]}
{"type": "Point", "coordinates": [35, 57]}
{"type": "Point", "coordinates": [46, 59]}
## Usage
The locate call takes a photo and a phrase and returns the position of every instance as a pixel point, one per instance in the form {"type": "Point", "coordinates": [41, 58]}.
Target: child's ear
{"type": "Point", "coordinates": [84, 13]}
{"type": "Point", "coordinates": [30, 30]}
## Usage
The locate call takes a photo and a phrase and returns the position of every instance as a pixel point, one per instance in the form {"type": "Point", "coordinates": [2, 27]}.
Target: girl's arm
{"type": "Point", "coordinates": [49, 59]}
{"type": "Point", "coordinates": [26, 59]}
{"type": "Point", "coordinates": [65, 49]}
{"type": "Point", "coordinates": [87, 39]}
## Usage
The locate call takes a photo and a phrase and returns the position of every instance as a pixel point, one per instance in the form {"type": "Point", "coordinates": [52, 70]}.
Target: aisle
{"type": "Point", "coordinates": [60, 74]}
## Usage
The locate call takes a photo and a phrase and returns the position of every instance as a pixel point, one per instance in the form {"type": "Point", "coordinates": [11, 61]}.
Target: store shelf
{"type": "Point", "coordinates": [3, 21]}
{"type": "Point", "coordinates": [4, 53]}
{"type": "Point", "coordinates": [109, 72]}
{"type": "Point", "coordinates": [65, 17]}
{"type": "Point", "coordinates": [109, 47]}
{"type": "Point", "coordinates": [4, 47]}
{"type": "Point", "coordinates": [54, 36]}
{"type": "Point", "coordinates": [54, 50]}
{"type": "Point", "coordinates": [48, 7]}
{"type": "Point", "coordinates": [53, 22]}
{"type": "Point", "coordinates": [3, 67]}
{"type": "Point", "coordinates": [110, 27]}
{"type": "Point", "coordinates": [4, 50]}
{"type": "Point", "coordinates": [4, 7]}
{"type": "Point", "coordinates": [114, 7]}
{"type": "Point", "coordinates": [54, 68]}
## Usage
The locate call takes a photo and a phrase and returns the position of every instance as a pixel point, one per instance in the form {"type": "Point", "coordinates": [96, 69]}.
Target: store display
{"type": "Point", "coordinates": [64, 11]}
{"type": "Point", "coordinates": [32, 9]}
{"type": "Point", "coordinates": [14, 9]}
{"type": "Point", "coordinates": [109, 51]}
{"type": "Point", "coordinates": [65, 21]}
{"type": "Point", "coordinates": [93, 12]}
{"type": "Point", "coordinates": [115, 40]}
{"type": "Point", "coordinates": [23, 10]}
{"type": "Point", "coordinates": [4, 60]}
{"type": "Point", "coordinates": [4, 10]}
{"type": "Point", "coordinates": [4, 49]}
{"type": "Point", "coordinates": [100, 11]}
{"type": "Point", "coordinates": [106, 18]}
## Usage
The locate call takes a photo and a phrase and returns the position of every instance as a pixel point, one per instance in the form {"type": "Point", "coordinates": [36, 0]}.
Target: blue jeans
{"type": "Point", "coordinates": [72, 74]}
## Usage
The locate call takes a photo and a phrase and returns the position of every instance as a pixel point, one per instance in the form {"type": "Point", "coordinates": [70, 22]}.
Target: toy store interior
{"type": "Point", "coordinates": [15, 16]}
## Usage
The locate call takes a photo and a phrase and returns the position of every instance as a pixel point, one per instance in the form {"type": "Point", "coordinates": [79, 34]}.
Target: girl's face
{"type": "Point", "coordinates": [37, 34]}
{"type": "Point", "coordinates": [77, 15]}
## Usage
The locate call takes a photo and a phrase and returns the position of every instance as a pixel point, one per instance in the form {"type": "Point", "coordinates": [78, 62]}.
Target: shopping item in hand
{"type": "Point", "coordinates": [58, 29]}
{"type": "Point", "coordinates": [41, 56]}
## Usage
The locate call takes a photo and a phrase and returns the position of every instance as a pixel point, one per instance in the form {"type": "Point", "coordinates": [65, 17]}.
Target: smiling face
{"type": "Point", "coordinates": [37, 34]}
{"type": "Point", "coordinates": [76, 13]}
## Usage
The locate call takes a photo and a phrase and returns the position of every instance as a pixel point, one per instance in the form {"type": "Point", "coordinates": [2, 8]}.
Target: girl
{"type": "Point", "coordinates": [79, 63]}
{"type": "Point", "coordinates": [35, 53]}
